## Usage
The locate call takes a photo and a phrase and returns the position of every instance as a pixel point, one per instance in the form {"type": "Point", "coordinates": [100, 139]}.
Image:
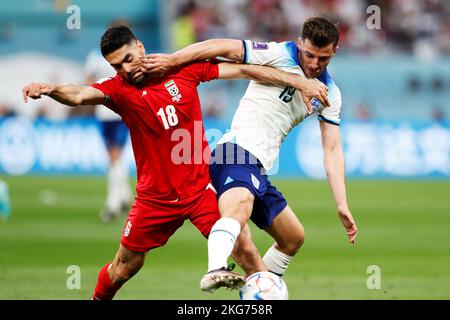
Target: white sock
{"type": "Point", "coordinates": [124, 186]}
{"type": "Point", "coordinates": [221, 241]}
{"type": "Point", "coordinates": [115, 177]}
{"type": "Point", "coordinates": [276, 261]}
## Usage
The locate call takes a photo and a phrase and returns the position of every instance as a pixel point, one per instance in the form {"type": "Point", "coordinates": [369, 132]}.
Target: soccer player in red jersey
{"type": "Point", "coordinates": [173, 185]}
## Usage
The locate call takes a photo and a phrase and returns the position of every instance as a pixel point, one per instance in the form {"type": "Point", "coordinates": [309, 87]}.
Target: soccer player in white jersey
{"type": "Point", "coordinates": [266, 114]}
{"type": "Point", "coordinates": [115, 135]}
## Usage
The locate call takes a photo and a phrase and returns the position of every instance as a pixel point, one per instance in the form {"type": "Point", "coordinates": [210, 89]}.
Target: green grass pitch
{"type": "Point", "coordinates": [404, 228]}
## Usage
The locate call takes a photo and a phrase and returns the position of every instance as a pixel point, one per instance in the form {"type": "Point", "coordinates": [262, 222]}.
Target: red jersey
{"type": "Point", "coordinates": [166, 129]}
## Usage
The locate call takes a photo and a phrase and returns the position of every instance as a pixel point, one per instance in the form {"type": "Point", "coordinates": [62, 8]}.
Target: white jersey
{"type": "Point", "coordinates": [267, 113]}
{"type": "Point", "coordinates": [98, 68]}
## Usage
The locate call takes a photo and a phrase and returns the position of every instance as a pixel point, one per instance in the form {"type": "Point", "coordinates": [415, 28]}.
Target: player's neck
{"type": "Point", "coordinates": [300, 64]}
{"type": "Point", "coordinates": [306, 76]}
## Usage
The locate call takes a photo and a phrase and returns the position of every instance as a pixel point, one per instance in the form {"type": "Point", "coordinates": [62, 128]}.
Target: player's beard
{"type": "Point", "coordinates": [139, 79]}
{"type": "Point", "coordinates": [313, 74]}
{"type": "Point", "coordinates": [136, 80]}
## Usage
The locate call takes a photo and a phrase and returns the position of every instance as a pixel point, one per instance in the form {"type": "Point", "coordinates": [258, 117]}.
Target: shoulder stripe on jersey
{"type": "Point", "coordinates": [245, 52]}
{"type": "Point", "coordinates": [293, 50]}
{"type": "Point", "coordinates": [322, 118]}
{"type": "Point", "coordinates": [325, 77]}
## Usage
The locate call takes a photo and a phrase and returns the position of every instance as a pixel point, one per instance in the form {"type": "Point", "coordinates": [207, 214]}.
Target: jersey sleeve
{"type": "Point", "coordinates": [109, 86]}
{"type": "Point", "coordinates": [202, 71]}
{"type": "Point", "coordinates": [332, 113]}
{"type": "Point", "coordinates": [266, 53]}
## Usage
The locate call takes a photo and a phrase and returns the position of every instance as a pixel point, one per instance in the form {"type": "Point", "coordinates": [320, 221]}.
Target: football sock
{"type": "Point", "coordinates": [221, 241]}
{"type": "Point", "coordinates": [125, 190]}
{"type": "Point", "coordinates": [116, 176]}
{"type": "Point", "coordinates": [276, 261]}
{"type": "Point", "coordinates": [105, 289]}
{"type": "Point", "coordinates": [123, 185]}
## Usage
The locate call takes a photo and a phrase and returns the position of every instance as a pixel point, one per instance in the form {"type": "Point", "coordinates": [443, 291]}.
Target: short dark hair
{"type": "Point", "coordinates": [115, 38]}
{"type": "Point", "coordinates": [320, 32]}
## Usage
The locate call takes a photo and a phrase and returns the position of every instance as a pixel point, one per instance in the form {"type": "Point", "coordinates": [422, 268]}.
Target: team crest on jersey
{"type": "Point", "coordinates": [171, 86]}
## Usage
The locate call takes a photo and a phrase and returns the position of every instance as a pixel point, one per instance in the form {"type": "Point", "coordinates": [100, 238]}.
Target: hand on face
{"type": "Point", "coordinates": [158, 64]}
{"type": "Point", "coordinates": [136, 74]}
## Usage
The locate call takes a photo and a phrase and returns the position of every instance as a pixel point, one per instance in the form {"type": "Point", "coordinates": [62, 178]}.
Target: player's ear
{"type": "Point", "coordinates": [140, 45]}
{"type": "Point", "coordinates": [300, 42]}
{"type": "Point", "coordinates": [335, 49]}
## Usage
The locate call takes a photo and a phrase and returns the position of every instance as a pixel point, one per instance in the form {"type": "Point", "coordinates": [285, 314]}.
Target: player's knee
{"type": "Point", "coordinates": [294, 243]}
{"type": "Point", "coordinates": [301, 236]}
{"type": "Point", "coordinates": [292, 247]}
{"type": "Point", "coordinates": [243, 201]}
{"type": "Point", "coordinates": [299, 239]}
{"type": "Point", "coordinates": [236, 204]}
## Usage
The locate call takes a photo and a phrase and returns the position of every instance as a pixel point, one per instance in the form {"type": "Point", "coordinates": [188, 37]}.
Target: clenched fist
{"type": "Point", "coordinates": [36, 90]}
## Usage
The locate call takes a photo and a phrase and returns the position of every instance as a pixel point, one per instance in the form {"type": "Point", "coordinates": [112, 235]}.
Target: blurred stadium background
{"type": "Point", "coordinates": [395, 83]}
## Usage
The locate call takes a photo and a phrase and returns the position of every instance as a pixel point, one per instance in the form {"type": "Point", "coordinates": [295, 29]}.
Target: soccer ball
{"type": "Point", "coordinates": [264, 286]}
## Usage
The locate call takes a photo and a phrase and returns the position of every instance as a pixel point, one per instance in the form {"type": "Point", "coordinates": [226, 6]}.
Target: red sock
{"type": "Point", "coordinates": [105, 289]}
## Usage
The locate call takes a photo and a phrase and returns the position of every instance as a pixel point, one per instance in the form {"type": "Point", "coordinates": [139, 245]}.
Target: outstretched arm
{"type": "Point", "coordinates": [333, 158]}
{"type": "Point", "coordinates": [67, 94]}
{"type": "Point", "coordinates": [158, 64]}
{"type": "Point", "coordinates": [308, 87]}
{"type": "Point", "coordinates": [230, 49]}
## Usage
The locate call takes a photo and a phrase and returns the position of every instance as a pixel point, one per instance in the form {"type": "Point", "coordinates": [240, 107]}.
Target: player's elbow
{"type": "Point", "coordinates": [329, 150]}
{"type": "Point", "coordinates": [331, 146]}
{"type": "Point", "coordinates": [328, 160]}
{"type": "Point", "coordinates": [229, 48]}
{"type": "Point", "coordinates": [75, 101]}
{"type": "Point", "coordinates": [334, 162]}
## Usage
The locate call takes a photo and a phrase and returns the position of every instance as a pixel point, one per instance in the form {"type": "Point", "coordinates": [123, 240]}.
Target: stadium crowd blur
{"type": "Point", "coordinates": [407, 24]}
{"type": "Point", "coordinates": [412, 28]}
